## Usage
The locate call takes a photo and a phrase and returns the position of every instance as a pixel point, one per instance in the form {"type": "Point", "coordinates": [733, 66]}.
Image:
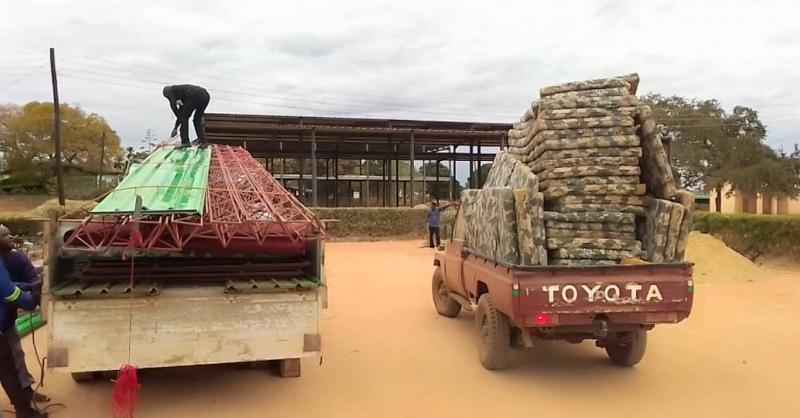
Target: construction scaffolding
{"type": "Point", "coordinates": [381, 144]}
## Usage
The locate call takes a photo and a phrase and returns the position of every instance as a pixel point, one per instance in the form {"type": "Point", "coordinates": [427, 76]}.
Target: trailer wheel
{"type": "Point", "coordinates": [630, 353]}
{"type": "Point", "coordinates": [80, 377]}
{"type": "Point", "coordinates": [493, 331]}
{"type": "Point", "coordinates": [445, 305]}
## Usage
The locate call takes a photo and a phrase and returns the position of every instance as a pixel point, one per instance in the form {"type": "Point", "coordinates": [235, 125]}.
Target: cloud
{"type": "Point", "coordinates": [413, 59]}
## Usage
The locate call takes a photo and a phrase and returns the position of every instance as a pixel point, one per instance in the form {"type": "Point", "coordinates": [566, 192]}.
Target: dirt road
{"type": "Point", "coordinates": [387, 354]}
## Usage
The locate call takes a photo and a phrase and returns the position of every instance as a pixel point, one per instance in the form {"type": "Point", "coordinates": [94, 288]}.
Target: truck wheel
{"type": "Point", "coordinates": [493, 334]}
{"type": "Point", "coordinates": [80, 377]}
{"type": "Point", "coordinates": [631, 353]}
{"type": "Point", "coordinates": [445, 305]}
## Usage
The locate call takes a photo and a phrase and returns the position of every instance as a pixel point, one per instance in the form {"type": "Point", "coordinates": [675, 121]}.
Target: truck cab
{"type": "Point", "coordinates": [515, 306]}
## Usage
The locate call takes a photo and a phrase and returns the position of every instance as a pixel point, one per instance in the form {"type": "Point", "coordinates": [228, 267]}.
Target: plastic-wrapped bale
{"type": "Point", "coordinates": [686, 199]}
{"type": "Point", "coordinates": [589, 171]}
{"type": "Point", "coordinates": [587, 142]}
{"type": "Point", "coordinates": [592, 254]}
{"type": "Point", "coordinates": [522, 177]}
{"type": "Point", "coordinates": [588, 102]}
{"type": "Point", "coordinates": [596, 243]}
{"type": "Point", "coordinates": [663, 227]}
{"type": "Point", "coordinates": [493, 225]}
{"type": "Point", "coordinates": [580, 262]}
{"type": "Point", "coordinates": [525, 213]}
{"type": "Point", "coordinates": [468, 197]}
{"type": "Point", "coordinates": [502, 167]}
{"type": "Point", "coordinates": [539, 234]}
{"type": "Point", "coordinates": [656, 170]}
{"type": "Point", "coordinates": [595, 217]}
{"type": "Point", "coordinates": [591, 226]}
{"type": "Point", "coordinates": [591, 152]}
{"type": "Point", "coordinates": [577, 233]}
{"type": "Point", "coordinates": [507, 171]}
{"type": "Point", "coordinates": [555, 192]}
{"type": "Point", "coordinates": [527, 146]}
{"type": "Point", "coordinates": [541, 164]}
{"type": "Point", "coordinates": [584, 181]}
{"type": "Point", "coordinates": [593, 84]}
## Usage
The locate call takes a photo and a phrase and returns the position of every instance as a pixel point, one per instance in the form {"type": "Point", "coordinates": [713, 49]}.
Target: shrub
{"type": "Point", "coordinates": [753, 235]}
{"type": "Point", "coordinates": [22, 226]}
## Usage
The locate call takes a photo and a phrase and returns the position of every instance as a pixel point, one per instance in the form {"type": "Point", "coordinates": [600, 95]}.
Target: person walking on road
{"type": "Point", "coordinates": [25, 277]}
{"type": "Point", "coordinates": [432, 219]}
{"type": "Point", "coordinates": [183, 100]}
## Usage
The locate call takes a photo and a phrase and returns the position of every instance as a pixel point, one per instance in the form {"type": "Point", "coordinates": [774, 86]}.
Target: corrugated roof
{"type": "Point", "coordinates": [170, 180]}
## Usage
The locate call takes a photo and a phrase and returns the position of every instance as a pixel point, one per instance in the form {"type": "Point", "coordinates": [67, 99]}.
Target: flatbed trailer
{"type": "Point", "coordinates": [96, 326]}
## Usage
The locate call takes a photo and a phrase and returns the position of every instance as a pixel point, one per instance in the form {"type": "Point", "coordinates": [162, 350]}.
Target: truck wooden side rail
{"type": "Point", "coordinates": [516, 306]}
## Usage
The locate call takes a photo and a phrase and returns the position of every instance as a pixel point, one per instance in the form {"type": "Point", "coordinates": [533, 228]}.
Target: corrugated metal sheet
{"type": "Point", "coordinates": [112, 288]}
{"type": "Point", "coordinates": [170, 180]}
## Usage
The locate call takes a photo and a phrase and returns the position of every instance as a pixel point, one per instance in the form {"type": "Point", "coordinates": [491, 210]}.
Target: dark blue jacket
{"type": "Point", "coordinates": [23, 274]}
{"type": "Point", "coordinates": [11, 294]}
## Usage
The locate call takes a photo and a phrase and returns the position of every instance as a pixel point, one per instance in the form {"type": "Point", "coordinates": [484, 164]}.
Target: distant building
{"type": "Point", "coordinates": [754, 203]}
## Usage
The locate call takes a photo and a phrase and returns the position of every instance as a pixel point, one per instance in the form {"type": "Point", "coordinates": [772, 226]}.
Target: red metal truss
{"type": "Point", "coordinates": [246, 209]}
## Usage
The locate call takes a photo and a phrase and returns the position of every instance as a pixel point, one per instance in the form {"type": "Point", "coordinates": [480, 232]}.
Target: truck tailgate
{"type": "Point", "coordinates": [650, 293]}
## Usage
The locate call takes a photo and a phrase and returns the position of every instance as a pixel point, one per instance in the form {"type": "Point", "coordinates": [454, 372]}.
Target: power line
{"type": "Point", "coordinates": [24, 76]}
{"type": "Point", "coordinates": [371, 106]}
{"type": "Point", "coordinates": [67, 75]}
{"type": "Point", "coordinates": [284, 86]}
{"type": "Point", "coordinates": [687, 120]}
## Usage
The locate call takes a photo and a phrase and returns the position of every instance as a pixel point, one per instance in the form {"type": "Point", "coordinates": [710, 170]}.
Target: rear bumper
{"type": "Point", "coordinates": [584, 319]}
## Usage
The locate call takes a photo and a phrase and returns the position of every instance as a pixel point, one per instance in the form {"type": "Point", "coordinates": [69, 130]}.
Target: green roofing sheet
{"type": "Point", "coordinates": [170, 180]}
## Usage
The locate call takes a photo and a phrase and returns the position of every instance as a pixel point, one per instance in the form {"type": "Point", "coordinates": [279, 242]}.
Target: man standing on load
{"type": "Point", "coordinates": [183, 100]}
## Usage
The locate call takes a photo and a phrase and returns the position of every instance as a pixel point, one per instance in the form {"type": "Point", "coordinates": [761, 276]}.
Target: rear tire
{"type": "Point", "coordinates": [493, 334]}
{"type": "Point", "coordinates": [80, 377]}
{"type": "Point", "coordinates": [631, 353]}
{"type": "Point", "coordinates": [445, 305]}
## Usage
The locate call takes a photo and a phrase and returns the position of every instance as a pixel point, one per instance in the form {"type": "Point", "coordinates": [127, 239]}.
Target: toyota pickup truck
{"type": "Point", "coordinates": [516, 306]}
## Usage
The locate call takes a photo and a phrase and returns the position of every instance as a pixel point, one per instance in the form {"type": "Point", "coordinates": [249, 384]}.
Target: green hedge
{"type": "Point", "coordinates": [23, 226]}
{"type": "Point", "coordinates": [378, 222]}
{"type": "Point", "coordinates": [753, 235]}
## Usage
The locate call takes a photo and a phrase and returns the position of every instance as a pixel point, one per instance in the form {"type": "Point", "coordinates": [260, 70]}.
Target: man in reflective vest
{"type": "Point", "coordinates": [23, 275]}
{"type": "Point", "coordinates": [9, 374]}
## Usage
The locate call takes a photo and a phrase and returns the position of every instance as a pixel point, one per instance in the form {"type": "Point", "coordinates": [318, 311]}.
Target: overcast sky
{"type": "Point", "coordinates": [443, 60]}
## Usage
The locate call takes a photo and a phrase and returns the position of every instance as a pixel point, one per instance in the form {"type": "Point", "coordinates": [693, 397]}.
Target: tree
{"type": "Point", "coordinates": [484, 171]}
{"type": "Point", "coordinates": [26, 139]}
{"type": "Point", "coordinates": [713, 148]}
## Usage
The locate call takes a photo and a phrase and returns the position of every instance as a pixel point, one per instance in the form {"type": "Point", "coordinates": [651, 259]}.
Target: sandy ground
{"type": "Point", "coordinates": [387, 354]}
{"type": "Point", "coordinates": [13, 204]}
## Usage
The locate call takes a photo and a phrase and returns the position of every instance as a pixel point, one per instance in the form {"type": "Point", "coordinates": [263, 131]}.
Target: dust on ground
{"type": "Point", "coordinates": [714, 261]}
{"type": "Point", "coordinates": [388, 354]}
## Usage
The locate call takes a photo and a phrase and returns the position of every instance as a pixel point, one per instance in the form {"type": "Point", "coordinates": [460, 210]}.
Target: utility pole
{"type": "Point", "coordinates": [102, 159]}
{"type": "Point", "coordinates": [57, 130]}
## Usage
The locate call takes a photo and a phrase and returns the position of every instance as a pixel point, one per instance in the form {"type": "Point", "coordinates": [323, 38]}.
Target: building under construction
{"type": "Point", "coordinates": [306, 153]}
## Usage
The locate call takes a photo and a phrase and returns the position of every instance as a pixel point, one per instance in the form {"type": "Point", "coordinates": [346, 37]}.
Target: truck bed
{"type": "Point", "coordinates": [579, 295]}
